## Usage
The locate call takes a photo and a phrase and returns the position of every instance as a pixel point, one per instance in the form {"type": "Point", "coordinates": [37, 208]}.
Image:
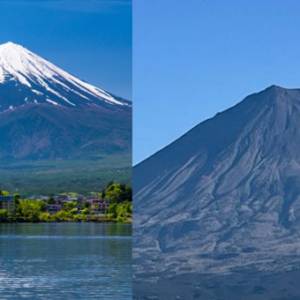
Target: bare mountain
{"type": "Point", "coordinates": [224, 197]}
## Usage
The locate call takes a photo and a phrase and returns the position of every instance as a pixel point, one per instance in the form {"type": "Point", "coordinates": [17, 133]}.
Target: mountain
{"type": "Point", "coordinates": [48, 114]}
{"type": "Point", "coordinates": [225, 197]}
{"type": "Point", "coordinates": [28, 78]}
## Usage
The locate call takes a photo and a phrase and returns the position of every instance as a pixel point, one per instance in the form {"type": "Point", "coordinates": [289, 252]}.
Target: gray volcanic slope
{"type": "Point", "coordinates": [226, 195]}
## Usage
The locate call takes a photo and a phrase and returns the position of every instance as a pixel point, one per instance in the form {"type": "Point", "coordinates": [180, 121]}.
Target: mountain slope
{"type": "Point", "coordinates": [225, 196]}
{"type": "Point", "coordinates": [57, 132]}
{"type": "Point", "coordinates": [28, 78]}
{"type": "Point", "coordinates": [44, 132]}
{"type": "Point", "coordinates": [46, 113]}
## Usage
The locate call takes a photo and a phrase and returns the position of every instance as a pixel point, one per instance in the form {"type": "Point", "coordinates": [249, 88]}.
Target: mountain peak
{"type": "Point", "coordinates": [279, 89]}
{"type": "Point", "coordinates": [39, 81]}
{"type": "Point", "coordinates": [229, 184]}
{"type": "Point", "coordinates": [274, 95]}
{"type": "Point", "coordinates": [54, 114]}
{"type": "Point", "coordinates": [12, 48]}
{"type": "Point", "coordinates": [281, 96]}
{"type": "Point", "coordinates": [275, 87]}
{"type": "Point", "coordinates": [10, 44]}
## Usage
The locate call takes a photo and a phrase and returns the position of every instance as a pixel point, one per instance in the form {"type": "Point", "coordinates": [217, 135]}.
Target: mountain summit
{"type": "Point", "coordinates": [27, 78]}
{"type": "Point", "coordinates": [226, 195]}
{"type": "Point", "coordinates": [47, 114]}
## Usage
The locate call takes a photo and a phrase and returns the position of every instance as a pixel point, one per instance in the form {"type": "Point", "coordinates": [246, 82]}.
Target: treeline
{"type": "Point", "coordinates": [119, 197]}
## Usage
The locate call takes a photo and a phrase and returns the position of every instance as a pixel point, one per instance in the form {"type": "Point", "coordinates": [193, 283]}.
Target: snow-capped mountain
{"type": "Point", "coordinates": [225, 197]}
{"type": "Point", "coordinates": [47, 113]}
{"type": "Point", "coordinates": [28, 78]}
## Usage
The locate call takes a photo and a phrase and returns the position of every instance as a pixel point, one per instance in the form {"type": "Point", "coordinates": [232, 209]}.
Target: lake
{"type": "Point", "coordinates": [65, 261]}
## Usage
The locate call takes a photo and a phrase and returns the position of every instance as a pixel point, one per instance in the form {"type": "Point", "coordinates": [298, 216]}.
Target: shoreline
{"type": "Point", "coordinates": [61, 222]}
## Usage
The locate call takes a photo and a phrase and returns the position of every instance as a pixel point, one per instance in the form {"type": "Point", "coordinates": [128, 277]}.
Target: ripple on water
{"type": "Point", "coordinates": [62, 266]}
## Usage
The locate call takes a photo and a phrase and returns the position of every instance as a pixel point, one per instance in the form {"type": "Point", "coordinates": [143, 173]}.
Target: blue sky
{"type": "Point", "coordinates": [195, 58]}
{"type": "Point", "coordinates": [91, 39]}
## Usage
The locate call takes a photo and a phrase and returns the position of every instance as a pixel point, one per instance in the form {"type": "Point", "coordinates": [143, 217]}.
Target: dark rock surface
{"type": "Point", "coordinates": [224, 197]}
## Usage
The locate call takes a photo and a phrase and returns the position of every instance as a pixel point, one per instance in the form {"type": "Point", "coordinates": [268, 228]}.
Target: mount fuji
{"type": "Point", "coordinates": [217, 212]}
{"type": "Point", "coordinates": [27, 78]}
{"type": "Point", "coordinates": [48, 114]}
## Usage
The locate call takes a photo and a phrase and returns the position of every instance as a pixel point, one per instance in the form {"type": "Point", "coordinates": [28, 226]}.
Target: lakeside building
{"type": "Point", "coordinates": [98, 205]}
{"type": "Point", "coordinates": [61, 198]}
{"type": "Point", "coordinates": [7, 202]}
{"type": "Point", "coordinates": [53, 208]}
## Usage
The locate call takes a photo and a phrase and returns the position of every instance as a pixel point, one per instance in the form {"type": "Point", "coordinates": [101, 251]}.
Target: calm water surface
{"type": "Point", "coordinates": [65, 261]}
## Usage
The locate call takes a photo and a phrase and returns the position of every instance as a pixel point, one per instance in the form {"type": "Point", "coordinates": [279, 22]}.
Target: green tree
{"type": "Point", "coordinates": [117, 193]}
{"type": "Point", "coordinates": [30, 210]}
{"type": "Point", "coordinates": [70, 206]}
{"type": "Point", "coordinates": [4, 193]}
{"type": "Point", "coordinates": [51, 200]}
{"type": "Point", "coordinates": [112, 210]}
{"type": "Point", "coordinates": [120, 212]}
{"type": "Point", "coordinates": [85, 211]}
{"type": "Point", "coordinates": [80, 218]}
{"type": "Point", "coordinates": [63, 216]}
{"type": "Point", "coordinates": [45, 217]}
{"type": "Point", "coordinates": [4, 216]}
